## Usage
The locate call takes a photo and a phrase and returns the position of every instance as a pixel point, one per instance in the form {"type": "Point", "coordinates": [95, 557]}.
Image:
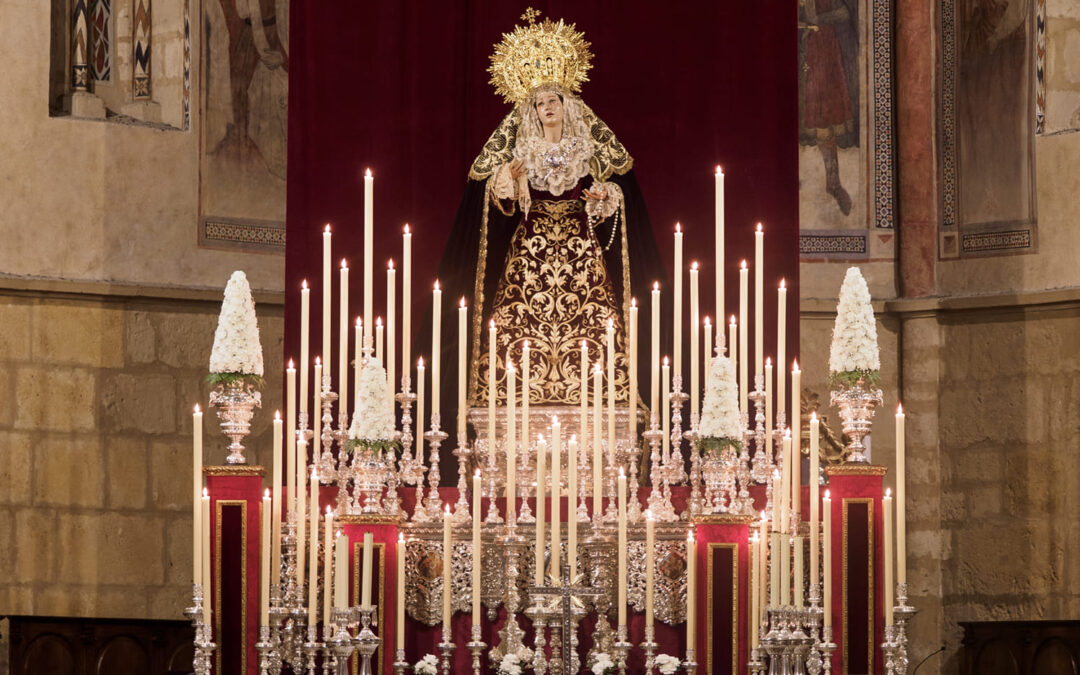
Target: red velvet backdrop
{"type": "Point", "coordinates": [401, 87]}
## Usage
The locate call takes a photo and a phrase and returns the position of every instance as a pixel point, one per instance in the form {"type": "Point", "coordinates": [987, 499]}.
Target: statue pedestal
{"type": "Point", "coordinates": [857, 573]}
{"type": "Point", "coordinates": [235, 500]}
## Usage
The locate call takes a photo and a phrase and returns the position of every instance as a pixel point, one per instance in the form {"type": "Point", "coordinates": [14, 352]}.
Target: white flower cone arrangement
{"type": "Point", "coordinates": [237, 350]}
{"type": "Point", "coordinates": [720, 423]}
{"type": "Point", "coordinates": [373, 422]}
{"type": "Point", "coordinates": [854, 351]}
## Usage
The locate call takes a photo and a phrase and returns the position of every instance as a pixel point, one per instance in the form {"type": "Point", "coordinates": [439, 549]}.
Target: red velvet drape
{"type": "Point", "coordinates": [401, 87]}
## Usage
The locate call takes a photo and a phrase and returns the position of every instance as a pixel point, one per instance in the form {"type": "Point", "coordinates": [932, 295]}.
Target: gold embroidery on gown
{"type": "Point", "coordinates": [554, 291]}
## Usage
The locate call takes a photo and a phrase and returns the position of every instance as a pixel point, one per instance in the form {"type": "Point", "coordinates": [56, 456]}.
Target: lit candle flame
{"type": "Point", "coordinates": [888, 493]}
{"type": "Point", "coordinates": [198, 410]}
{"type": "Point", "coordinates": [795, 366]}
{"type": "Point", "coordinates": [303, 285]}
{"type": "Point", "coordinates": [462, 302]}
{"type": "Point", "coordinates": [378, 322]}
{"type": "Point", "coordinates": [266, 493]}
{"type": "Point", "coordinates": [759, 227]}
{"type": "Point", "coordinates": [407, 232]}
{"type": "Point", "coordinates": [742, 265]}
{"type": "Point", "coordinates": [783, 283]}
{"type": "Point", "coordinates": [436, 284]}
{"type": "Point", "coordinates": [291, 366]}
{"type": "Point", "coordinates": [277, 415]}
{"type": "Point", "coordinates": [367, 173]}
{"type": "Point", "coordinates": [318, 361]}
{"type": "Point", "coordinates": [327, 230]}
{"type": "Point", "coordinates": [719, 171]}
{"type": "Point", "coordinates": [344, 265]}
{"type": "Point", "coordinates": [678, 228]}
{"type": "Point", "coordinates": [694, 266]}
{"type": "Point", "coordinates": [899, 408]}
{"type": "Point", "coordinates": [390, 264]}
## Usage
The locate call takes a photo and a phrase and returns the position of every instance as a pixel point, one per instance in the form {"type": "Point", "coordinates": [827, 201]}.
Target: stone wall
{"type": "Point", "coordinates": [96, 393]}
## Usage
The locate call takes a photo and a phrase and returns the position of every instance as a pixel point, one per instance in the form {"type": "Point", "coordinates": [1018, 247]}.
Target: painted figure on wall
{"type": "Point", "coordinates": [995, 111]}
{"type": "Point", "coordinates": [829, 85]}
{"type": "Point", "coordinates": [254, 39]}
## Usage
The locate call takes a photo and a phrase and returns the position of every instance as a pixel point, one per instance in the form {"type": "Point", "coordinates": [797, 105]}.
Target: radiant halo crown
{"type": "Point", "coordinates": [539, 54]}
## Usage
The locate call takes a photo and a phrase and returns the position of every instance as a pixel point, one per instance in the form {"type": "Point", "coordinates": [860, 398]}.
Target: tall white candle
{"type": "Point", "coordinates": [650, 567]}
{"type": "Point", "coordinates": [379, 340]}
{"type": "Point", "coordinates": [365, 581]}
{"type": "Point", "coordinates": [556, 497]}
{"type": "Point", "coordinates": [301, 501]}
{"type": "Point", "coordinates": [477, 551]}
{"type": "Point", "coordinates": [491, 387]}
{"type": "Point", "coordinates": [733, 342]}
{"type": "Point", "coordinates": [769, 407]}
{"type": "Point", "coordinates": [541, 498]}
{"type": "Point", "coordinates": [611, 386]}
{"type": "Point", "coordinates": [526, 384]}
{"type": "Point", "coordinates": [781, 348]}
{"type": "Point", "coordinates": [709, 346]}
{"type": "Point", "coordinates": [755, 582]}
{"type": "Point", "coordinates": [448, 554]}
{"type": "Point", "coordinates": [597, 459]}
{"type": "Point", "coordinates": [691, 588]}
{"type": "Point", "coordinates": [343, 340]}
{"type": "Point", "coordinates": [208, 579]}
{"type": "Point", "coordinates": [462, 366]}
{"type": "Point", "coordinates": [511, 441]}
{"type": "Point", "coordinates": [695, 351]}
{"type": "Point", "coordinates": [406, 300]}
{"type": "Point", "coordinates": [290, 438]}
{"type": "Point", "coordinates": [571, 512]}
{"type": "Point", "coordinates": [622, 547]}
{"type": "Point", "coordinates": [798, 575]}
{"type": "Point", "coordinates": [341, 572]}
{"type": "Point", "coordinates": [744, 347]}
{"type": "Point", "coordinates": [317, 419]}
{"type": "Point", "coordinates": [420, 408]}
{"type": "Point", "coordinates": [328, 573]}
{"type": "Point", "coordinates": [583, 414]}
{"type": "Point", "coordinates": [678, 301]}
{"type": "Point", "coordinates": [275, 567]}
{"type": "Point", "coordinates": [719, 238]}
{"type": "Point", "coordinates": [826, 505]}
{"type": "Point", "coordinates": [887, 563]}
{"type": "Point", "coordinates": [654, 362]}
{"type": "Point", "coordinates": [633, 391]}
{"type": "Point", "coordinates": [665, 407]}
{"type": "Point", "coordinates": [313, 548]}
{"type": "Point", "coordinates": [305, 336]}
{"type": "Point", "coordinates": [785, 482]}
{"type": "Point", "coordinates": [391, 332]}
{"type": "Point", "coordinates": [369, 248]}
{"type": "Point", "coordinates": [901, 501]}
{"type": "Point", "coordinates": [197, 480]}
{"type": "Point", "coordinates": [436, 350]}
{"type": "Point", "coordinates": [815, 507]}
{"type": "Point", "coordinates": [775, 570]}
{"type": "Point", "coordinates": [759, 299]}
{"type": "Point", "coordinates": [264, 560]}
{"type": "Point", "coordinates": [796, 440]}
{"type": "Point", "coordinates": [327, 291]}
{"type": "Point", "coordinates": [399, 615]}
{"type": "Point", "coordinates": [358, 340]}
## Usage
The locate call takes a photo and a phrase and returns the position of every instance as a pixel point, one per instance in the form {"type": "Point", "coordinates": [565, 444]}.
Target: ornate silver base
{"type": "Point", "coordinates": [204, 647]}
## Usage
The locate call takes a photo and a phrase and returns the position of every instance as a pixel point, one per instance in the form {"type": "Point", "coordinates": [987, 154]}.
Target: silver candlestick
{"type": "Point", "coordinates": [435, 438]}
{"type": "Point", "coordinates": [366, 640]}
{"type": "Point", "coordinates": [462, 514]}
{"type": "Point", "coordinates": [476, 648]}
{"type": "Point", "coordinates": [446, 648]}
{"type": "Point", "coordinates": [401, 666]}
{"type": "Point", "coordinates": [902, 614]}
{"type": "Point", "coordinates": [690, 664]}
{"type": "Point", "coordinates": [622, 648]}
{"type": "Point", "coordinates": [827, 648]}
{"type": "Point", "coordinates": [649, 647]}
{"type": "Point", "coordinates": [410, 469]}
{"type": "Point", "coordinates": [204, 646]}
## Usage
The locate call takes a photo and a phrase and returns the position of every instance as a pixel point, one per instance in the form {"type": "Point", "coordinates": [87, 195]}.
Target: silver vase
{"type": "Point", "coordinates": [856, 403]}
{"type": "Point", "coordinates": [236, 402]}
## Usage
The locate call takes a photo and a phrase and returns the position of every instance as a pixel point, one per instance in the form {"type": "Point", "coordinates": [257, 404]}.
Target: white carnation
{"type": "Point", "coordinates": [236, 341]}
{"type": "Point", "coordinates": [602, 664]}
{"type": "Point", "coordinates": [667, 664]}
{"type": "Point", "coordinates": [429, 665]}
{"type": "Point", "coordinates": [373, 419]}
{"type": "Point", "coordinates": [854, 344]}
{"type": "Point", "coordinates": [720, 412]}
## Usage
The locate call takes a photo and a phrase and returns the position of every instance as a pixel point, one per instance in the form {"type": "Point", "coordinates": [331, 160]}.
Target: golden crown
{"type": "Point", "coordinates": [546, 53]}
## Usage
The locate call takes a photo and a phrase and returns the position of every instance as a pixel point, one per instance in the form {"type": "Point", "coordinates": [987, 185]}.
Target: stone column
{"type": "Point", "coordinates": [916, 166]}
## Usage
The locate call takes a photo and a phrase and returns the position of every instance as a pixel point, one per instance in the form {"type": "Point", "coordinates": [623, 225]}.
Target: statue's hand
{"type": "Point", "coordinates": [598, 195]}
{"type": "Point", "coordinates": [517, 168]}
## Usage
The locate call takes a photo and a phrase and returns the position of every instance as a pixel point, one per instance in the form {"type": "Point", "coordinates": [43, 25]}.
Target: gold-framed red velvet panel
{"type": "Point", "coordinates": [402, 88]}
{"type": "Point", "coordinates": [858, 552]}
{"type": "Point", "coordinates": [235, 502]}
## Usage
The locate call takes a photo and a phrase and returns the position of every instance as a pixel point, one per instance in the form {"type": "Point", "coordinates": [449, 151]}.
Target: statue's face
{"type": "Point", "coordinates": [549, 108]}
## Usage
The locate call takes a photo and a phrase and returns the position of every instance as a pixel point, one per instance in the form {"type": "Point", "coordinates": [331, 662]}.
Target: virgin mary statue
{"type": "Point", "coordinates": [551, 239]}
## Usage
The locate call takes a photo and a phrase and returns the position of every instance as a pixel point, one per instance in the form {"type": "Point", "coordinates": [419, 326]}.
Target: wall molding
{"type": "Point", "coordinates": [107, 290]}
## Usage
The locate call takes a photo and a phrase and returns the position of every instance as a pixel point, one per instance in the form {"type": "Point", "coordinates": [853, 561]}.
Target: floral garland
{"type": "Point", "coordinates": [853, 355]}
{"type": "Point", "coordinates": [237, 353]}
